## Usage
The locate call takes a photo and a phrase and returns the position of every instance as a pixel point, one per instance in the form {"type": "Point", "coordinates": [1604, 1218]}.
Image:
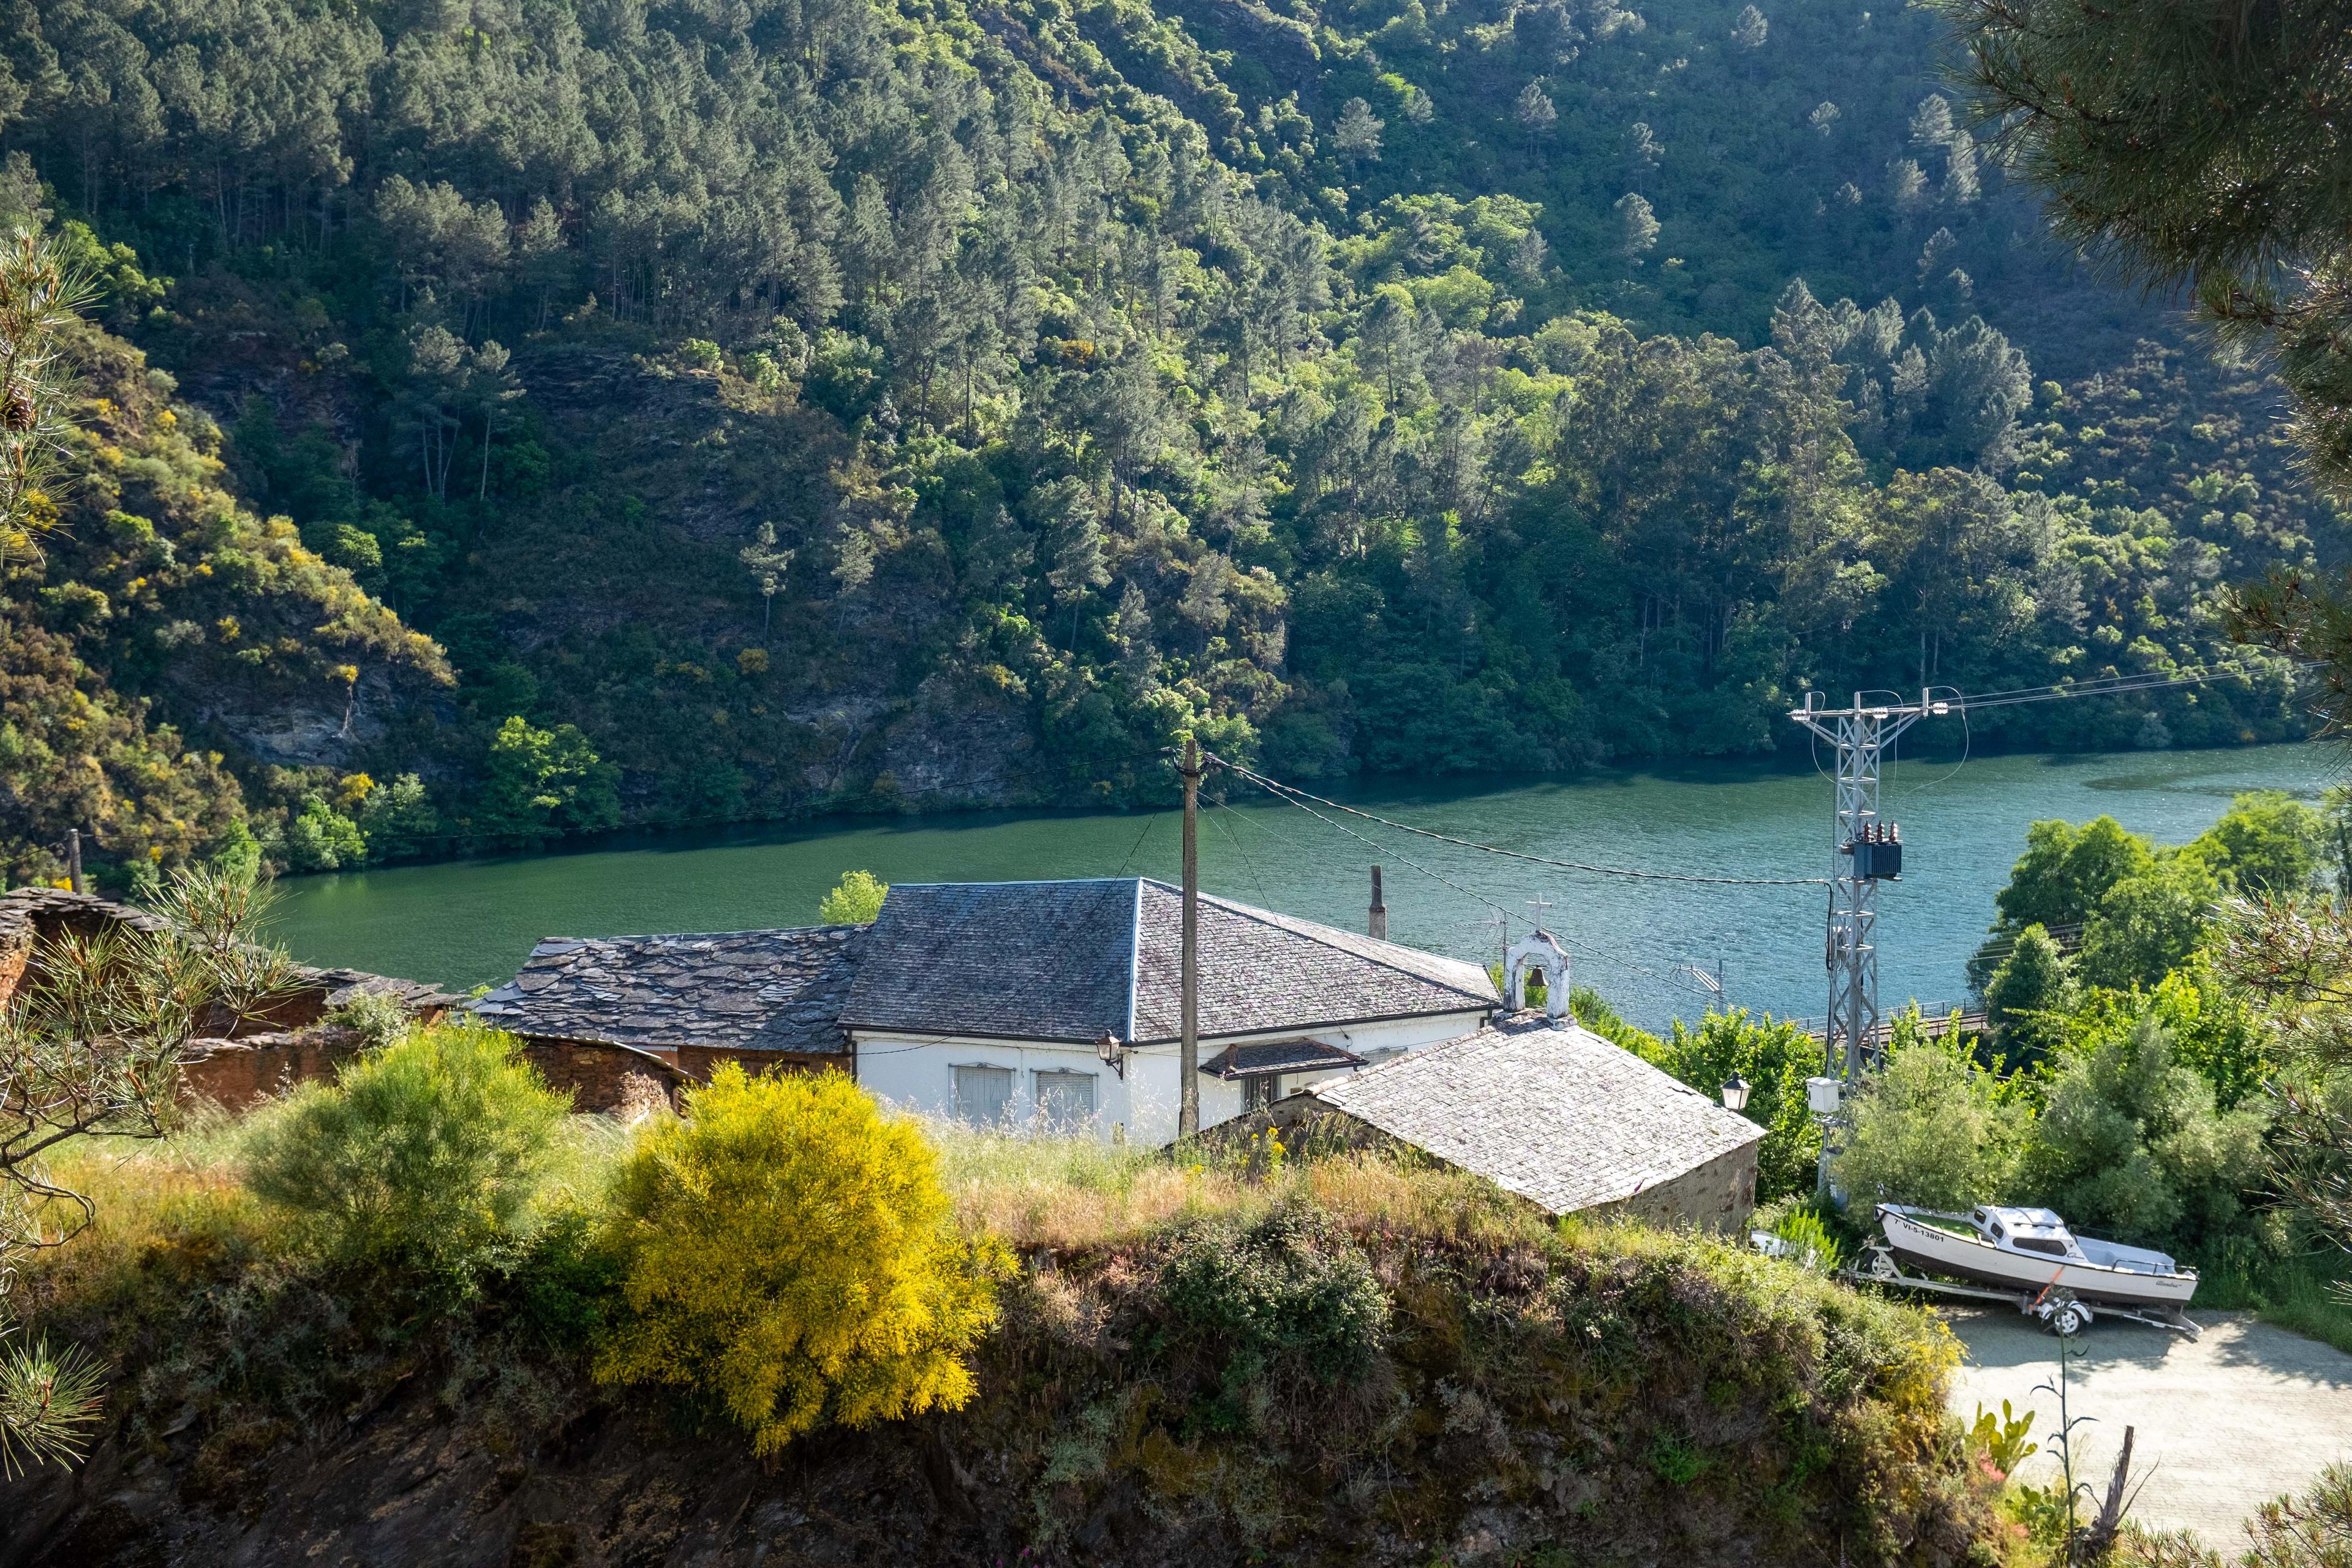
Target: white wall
{"type": "Point", "coordinates": [919, 1075]}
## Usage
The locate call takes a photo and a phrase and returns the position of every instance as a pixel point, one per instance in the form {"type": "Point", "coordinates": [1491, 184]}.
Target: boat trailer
{"type": "Point", "coordinates": [2059, 1309]}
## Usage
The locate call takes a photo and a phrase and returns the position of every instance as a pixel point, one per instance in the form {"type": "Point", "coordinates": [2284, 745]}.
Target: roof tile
{"type": "Point", "coordinates": [1552, 1112]}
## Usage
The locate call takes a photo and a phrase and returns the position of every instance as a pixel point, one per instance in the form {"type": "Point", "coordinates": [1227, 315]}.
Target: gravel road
{"type": "Point", "coordinates": [2224, 1422]}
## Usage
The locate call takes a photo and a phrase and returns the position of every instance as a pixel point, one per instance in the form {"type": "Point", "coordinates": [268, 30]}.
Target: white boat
{"type": "Point", "coordinates": [2031, 1251]}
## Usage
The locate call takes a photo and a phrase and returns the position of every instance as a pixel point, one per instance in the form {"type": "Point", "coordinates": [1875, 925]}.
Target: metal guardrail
{"type": "Point", "coordinates": [1936, 1019]}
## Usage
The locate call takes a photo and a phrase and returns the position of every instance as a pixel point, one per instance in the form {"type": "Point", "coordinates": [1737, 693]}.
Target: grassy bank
{"type": "Point", "coordinates": [1342, 1360]}
{"type": "Point", "coordinates": [2308, 1295]}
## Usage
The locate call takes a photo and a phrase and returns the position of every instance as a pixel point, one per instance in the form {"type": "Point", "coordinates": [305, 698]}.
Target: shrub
{"type": "Point", "coordinates": [855, 900]}
{"type": "Point", "coordinates": [2132, 1141]}
{"type": "Point", "coordinates": [1930, 1130]}
{"type": "Point", "coordinates": [423, 1155]}
{"type": "Point", "coordinates": [1775, 1057]}
{"type": "Point", "coordinates": [789, 1252]}
{"type": "Point", "coordinates": [1798, 1222]}
{"type": "Point", "coordinates": [1289, 1290]}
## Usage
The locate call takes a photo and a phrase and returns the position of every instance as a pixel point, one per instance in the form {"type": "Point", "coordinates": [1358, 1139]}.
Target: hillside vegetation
{"type": "Point", "coordinates": [793, 407]}
{"type": "Point", "coordinates": [1339, 1361]}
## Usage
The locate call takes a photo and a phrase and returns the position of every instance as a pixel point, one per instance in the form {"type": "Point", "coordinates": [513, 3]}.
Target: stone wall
{"type": "Point", "coordinates": [1718, 1195]}
{"type": "Point", "coordinates": [603, 1077]}
{"type": "Point", "coordinates": [234, 1073]}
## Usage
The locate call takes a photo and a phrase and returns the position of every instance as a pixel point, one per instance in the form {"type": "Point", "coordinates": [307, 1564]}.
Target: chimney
{"type": "Point", "coordinates": [1377, 923]}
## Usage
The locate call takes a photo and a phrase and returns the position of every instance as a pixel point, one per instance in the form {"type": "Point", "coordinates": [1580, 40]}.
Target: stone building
{"type": "Point", "coordinates": [287, 1038]}
{"type": "Point", "coordinates": [1549, 1110]}
{"type": "Point", "coordinates": [611, 1017]}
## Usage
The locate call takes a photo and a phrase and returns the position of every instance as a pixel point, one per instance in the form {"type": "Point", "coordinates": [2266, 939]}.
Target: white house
{"type": "Point", "coordinates": [1059, 1003]}
{"type": "Point", "coordinates": [1024, 1004]}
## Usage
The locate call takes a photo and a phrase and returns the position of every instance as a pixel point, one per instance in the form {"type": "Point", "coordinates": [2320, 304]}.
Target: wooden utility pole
{"type": "Point", "coordinates": [1188, 1051]}
{"type": "Point", "coordinates": [1378, 924]}
{"type": "Point", "coordinates": [73, 858]}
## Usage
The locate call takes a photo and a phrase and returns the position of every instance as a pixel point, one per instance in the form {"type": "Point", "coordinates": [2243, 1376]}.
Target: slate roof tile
{"type": "Point", "coordinates": [1078, 960]}
{"type": "Point", "coordinates": [1551, 1111]}
{"type": "Point", "coordinates": [750, 990]}
{"type": "Point", "coordinates": [1271, 1056]}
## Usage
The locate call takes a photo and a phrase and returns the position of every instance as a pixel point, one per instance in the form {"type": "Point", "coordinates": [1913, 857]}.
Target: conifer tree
{"type": "Point", "coordinates": [2197, 147]}
{"type": "Point", "coordinates": [1356, 136]}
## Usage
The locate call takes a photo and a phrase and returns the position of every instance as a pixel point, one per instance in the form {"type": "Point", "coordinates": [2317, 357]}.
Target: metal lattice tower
{"type": "Point", "coordinates": [1861, 735]}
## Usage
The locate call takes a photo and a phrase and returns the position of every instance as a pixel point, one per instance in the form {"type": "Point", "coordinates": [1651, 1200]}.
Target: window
{"type": "Point", "coordinates": [2038, 1244]}
{"type": "Point", "coordinates": [984, 1096]}
{"type": "Point", "coordinates": [1065, 1100]}
{"type": "Point", "coordinates": [1258, 1092]}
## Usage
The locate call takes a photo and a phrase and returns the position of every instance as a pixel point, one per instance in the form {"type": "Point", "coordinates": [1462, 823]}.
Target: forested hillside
{"type": "Point", "coordinates": [771, 406]}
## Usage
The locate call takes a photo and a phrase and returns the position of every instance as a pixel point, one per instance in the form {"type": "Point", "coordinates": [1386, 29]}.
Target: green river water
{"type": "Point", "coordinates": [465, 923]}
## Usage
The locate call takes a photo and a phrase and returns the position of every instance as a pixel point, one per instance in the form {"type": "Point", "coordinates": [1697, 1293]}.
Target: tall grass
{"type": "Point", "coordinates": [2309, 1295]}
{"type": "Point", "coordinates": [1061, 1193]}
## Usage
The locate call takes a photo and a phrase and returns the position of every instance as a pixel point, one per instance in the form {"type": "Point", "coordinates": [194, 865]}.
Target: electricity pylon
{"type": "Point", "coordinates": [1861, 734]}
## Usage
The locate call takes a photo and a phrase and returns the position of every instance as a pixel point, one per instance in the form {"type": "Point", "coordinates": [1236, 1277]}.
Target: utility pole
{"type": "Point", "coordinates": [1376, 922]}
{"type": "Point", "coordinates": [1861, 734]}
{"type": "Point", "coordinates": [73, 858]}
{"type": "Point", "coordinates": [1188, 1050]}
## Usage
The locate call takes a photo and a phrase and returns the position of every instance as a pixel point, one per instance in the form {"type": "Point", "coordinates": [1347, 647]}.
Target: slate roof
{"type": "Point", "coordinates": [1277, 1056]}
{"type": "Point", "coordinates": [1551, 1111]}
{"type": "Point", "coordinates": [30, 908]}
{"type": "Point", "coordinates": [1078, 960]}
{"type": "Point", "coordinates": [743, 989]}
{"type": "Point", "coordinates": [26, 913]}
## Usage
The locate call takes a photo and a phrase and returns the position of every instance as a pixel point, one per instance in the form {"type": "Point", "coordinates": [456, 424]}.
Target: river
{"type": "Point", "coordinates": [469, 922]}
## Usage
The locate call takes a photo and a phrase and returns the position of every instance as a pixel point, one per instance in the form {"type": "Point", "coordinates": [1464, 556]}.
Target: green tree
{"type": "Point", "coordinates": [41, 297]}
{"type": "Point", "coordinates": [2335, 830]}
{"type": "Point", "coordinates": [491, 384]}
{"type": "Point", "coordinates": [2266, 843]}
{"type": "Point", "coordinates": [543, 784]}
{"type": "Point", "coordinates": [320, 839]}
{"type": "Point", "coordinates": [855, 900]}
{"type": "Point", "coordinates": [2064, 874]}
{"type": "Point", "coordinates": [1775, 1057]}
{"type": "Point", "coordinates": [1536, 115]}
{"type": "Point", "coordinates": [399, 821]}
{"type": "Point", "coordinates": [90, 1048]}
{"type": "Point", "coordinates": [2131, 1142]}
{"type": "Point", "coordinates": [1356, 135]}
{"type": "Point", "coordinates": [2148, 923]}
{"type": "Point", "coordinates": [2183, 149]}
{"type": "Point", "coordinates": [767, 565]}
{"type": "Point", "coordinates": [1930, 1128]}
{"type": "Point", "coordinates": [2031, 991]}
{"type": "Point", "coordinates": [1637, 226]}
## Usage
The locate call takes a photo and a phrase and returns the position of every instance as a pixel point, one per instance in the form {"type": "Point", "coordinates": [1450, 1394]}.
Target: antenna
{"type": "Point", "coordinates": [1500, 924]}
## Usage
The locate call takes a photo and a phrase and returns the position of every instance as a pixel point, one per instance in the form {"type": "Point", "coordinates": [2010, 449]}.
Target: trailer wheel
{"type": "Point", "coordinates": [2066, 1319]}
{"type": "Point", "coordinates": [1881, 1266]}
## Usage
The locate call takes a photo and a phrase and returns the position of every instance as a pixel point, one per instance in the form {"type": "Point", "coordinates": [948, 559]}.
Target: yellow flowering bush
{"type": "Point", "coordinates": [789, 1252]}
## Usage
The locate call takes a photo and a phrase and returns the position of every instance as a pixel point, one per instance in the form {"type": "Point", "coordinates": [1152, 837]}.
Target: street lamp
{"type": "Point", "coordinates": [1735, 1093]}
{"type": "Point", "coordinates": [1113, 1055]}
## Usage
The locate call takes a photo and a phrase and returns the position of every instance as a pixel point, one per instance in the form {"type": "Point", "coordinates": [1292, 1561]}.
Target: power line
{"type": "Point", "coordinates": [2106, 686]}
{"type": "Point", "coordinates": [1283, 789]}
{"type": "Point", "coordinates": [1501, 910]}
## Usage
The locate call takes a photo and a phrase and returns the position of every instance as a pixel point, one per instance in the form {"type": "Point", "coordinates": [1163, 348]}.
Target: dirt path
{"type": "Point", "coordinates": [2224, 1422]}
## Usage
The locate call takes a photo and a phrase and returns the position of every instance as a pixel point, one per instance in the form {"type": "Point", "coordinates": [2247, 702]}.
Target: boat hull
{"type": "Point", "coordinates": [1934, 1252]}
